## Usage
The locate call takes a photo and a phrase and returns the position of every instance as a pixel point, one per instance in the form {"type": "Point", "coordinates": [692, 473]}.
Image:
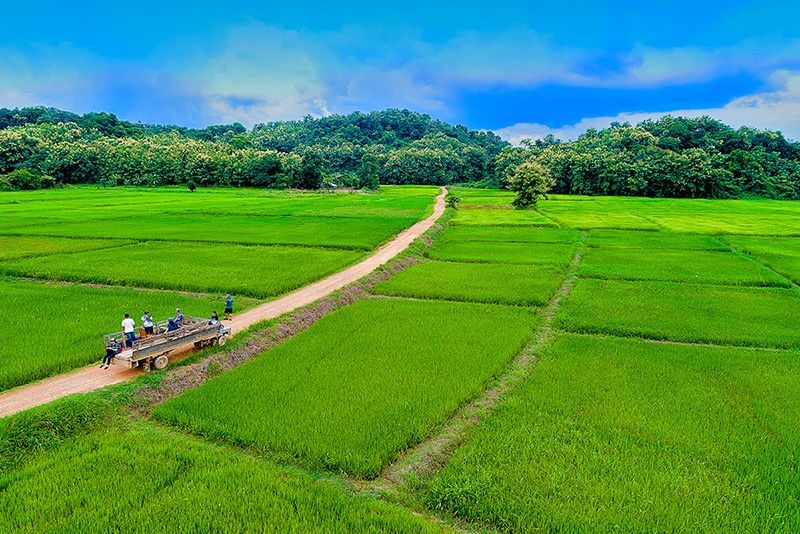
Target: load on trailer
{"type": "Point", "coordinates": [154, 351]}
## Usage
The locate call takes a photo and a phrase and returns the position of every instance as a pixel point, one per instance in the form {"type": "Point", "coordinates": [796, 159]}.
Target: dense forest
{"type": "Point", "coordinates": [670, 157]}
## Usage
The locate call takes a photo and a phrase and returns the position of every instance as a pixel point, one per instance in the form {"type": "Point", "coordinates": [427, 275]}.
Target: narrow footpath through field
{"type": "Point", "coordinates": [92, 378]}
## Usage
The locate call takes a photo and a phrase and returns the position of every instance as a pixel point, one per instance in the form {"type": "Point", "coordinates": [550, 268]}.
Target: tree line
{"type": "Point", "coordinates": [669, 157]}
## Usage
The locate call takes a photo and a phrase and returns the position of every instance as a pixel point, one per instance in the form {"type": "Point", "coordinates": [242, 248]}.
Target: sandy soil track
{"type": "Point", "coordinates": [92, 378]}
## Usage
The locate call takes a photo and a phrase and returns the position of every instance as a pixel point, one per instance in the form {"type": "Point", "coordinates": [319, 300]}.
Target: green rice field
{"type": "Point", "coordinates": [692, 438]}
{"type": "Point", "coordinates": [594, 364]}
{"type": "Point", "coordinates": [186, 482]}
{"type": "Point", "coordinates": [523, 285]}
{"type": "Point", "coordinates": [254, 244]}
{"type": "Point", "coordinates": [58, 326]}
{"type": "Point", "coordinates": [359, 386]}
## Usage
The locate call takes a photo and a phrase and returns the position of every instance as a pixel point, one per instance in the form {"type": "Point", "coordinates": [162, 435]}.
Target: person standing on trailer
{"type": "Point", "coordinates": [228, 307]}
{"type": "Point", "coordinates": [129, 329]}
{"type": "Point", "coordinates": [148, 323]}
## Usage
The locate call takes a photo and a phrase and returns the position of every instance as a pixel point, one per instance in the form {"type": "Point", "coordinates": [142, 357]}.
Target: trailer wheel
{"type": "Point", "coordinates": [161, 362]}
{"type": "Point", "coordinates": [221, 340]}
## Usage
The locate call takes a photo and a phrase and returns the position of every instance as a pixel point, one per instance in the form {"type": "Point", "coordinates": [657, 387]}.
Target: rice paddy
{"type": "Point", "coordinates": [654, 383]}
{"type": "Point", "coordinates": [359, 386]}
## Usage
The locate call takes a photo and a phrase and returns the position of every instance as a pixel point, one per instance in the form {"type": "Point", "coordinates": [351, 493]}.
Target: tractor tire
{"type": "Point", "coordinates": [221, 340]}
{"type": "Point", "coordinates": [161, 362]}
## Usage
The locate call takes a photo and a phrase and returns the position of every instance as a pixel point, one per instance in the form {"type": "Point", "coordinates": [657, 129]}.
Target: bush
{"type": "Point", "coordinates": [25, 179]}
{"type": "Point", "coordinates": [452, 200]}
{"type": "Point", "coordinates": [191, 185]}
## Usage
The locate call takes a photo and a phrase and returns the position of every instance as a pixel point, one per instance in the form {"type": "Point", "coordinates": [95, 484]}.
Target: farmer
{"type": "Point", "coordinates": [129, 329]}
{"type": "Point", "coordinates": [147, 323]}
{"type": "Point", "coordinates": [214, 318]}
{"type": "Point", "coordinates": [112, 349]}
{"type": "Point", "coordinates": [172, 325]}
{"type": "Point", "coordinates": [178, 317]}
{"type": "Point", "coordinates": [228, 307]}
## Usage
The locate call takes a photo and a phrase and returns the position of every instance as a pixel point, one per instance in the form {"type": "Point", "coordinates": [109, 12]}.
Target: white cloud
{"type": "Point", "coordinates": [775, 110]}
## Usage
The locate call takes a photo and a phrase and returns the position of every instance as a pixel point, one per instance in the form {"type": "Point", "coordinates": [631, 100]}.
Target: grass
{"type": "Point", "coordinates": [511, 234]}
{"type": "Point", "coordinates": [16, 247]}
{"type": "Point", "coordinates": [500, 217]}
{"type": "Point", "coordinates": [524, 285]}
{"type": "Point", "coordinates": [342, 232]}
{"type": "Point", "coordinates": [97, 203]}
{"type": "Point", "coordinates": [653, 240]}
{"type": "Point", "coordinates": [500, 252]}
{"type": "Point", "coordinates": [57, 327]}
{"type": "Point", "coordinates": [147, 479]}
{"type": "Point", "coordinates": [763, 317]}
{"type": "Point", "coordinates": [780, 253]}
{"type": "Point", "coordinates": [697, 266]}
{"type": "Point", "coordinates": [754, 217]}
{"type": "Point", "coordinates": [358, 387]}
{"type": "Point", "coordinates": [257, 271]}
{"type": "Point", "coordinates": [612, 434]}
{"type": "Point", "coordinates": [587, 216]}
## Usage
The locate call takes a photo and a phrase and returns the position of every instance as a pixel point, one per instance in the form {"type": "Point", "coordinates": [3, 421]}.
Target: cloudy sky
{"type": "Point", "coordinates": [523, 69]}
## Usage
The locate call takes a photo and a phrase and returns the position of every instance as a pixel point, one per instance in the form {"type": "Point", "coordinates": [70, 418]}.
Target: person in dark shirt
{"type": "Point", "coordinates": [112, 349]}
{"type": "Point", "coordinates": [228, 307]}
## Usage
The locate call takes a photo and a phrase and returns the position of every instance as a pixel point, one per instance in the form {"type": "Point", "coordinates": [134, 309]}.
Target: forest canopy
{"type": "Point", "coordinates": [669, 157]}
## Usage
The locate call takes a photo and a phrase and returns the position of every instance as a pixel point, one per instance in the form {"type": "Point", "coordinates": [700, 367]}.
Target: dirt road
{"type": "Point", "coordinates": [92, 378]}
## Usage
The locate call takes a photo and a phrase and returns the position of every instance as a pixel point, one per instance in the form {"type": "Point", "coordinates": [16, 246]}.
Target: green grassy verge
{"type": "Point", "coordinates": [611, 434]}
{"type": "Point", "coordinates": [524, 285]}
{"type": "Point", "coordinates": [696, 266]}
{"type": "Point", "coordinates": [765, 317]}
{"type": "Point", "coordinates": [362, 384]}
{"type": "Point", "coordinates": [256, 271]}
{"type": "Point", "coordinates": [56, 327]}
{"type": "Point", "coordinates": [141, 478]}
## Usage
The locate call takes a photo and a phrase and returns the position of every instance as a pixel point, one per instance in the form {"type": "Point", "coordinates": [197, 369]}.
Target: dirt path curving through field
{"type": "Point", "coordinates": [92, 378]}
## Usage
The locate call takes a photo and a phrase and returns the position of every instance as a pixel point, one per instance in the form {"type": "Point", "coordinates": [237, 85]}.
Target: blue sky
{"type": "Point", "coordinates": [523, 69]}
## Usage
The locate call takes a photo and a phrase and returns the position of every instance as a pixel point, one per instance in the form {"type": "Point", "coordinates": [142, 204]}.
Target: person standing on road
{"type": "Point", "coordinates": [228, 307]}
{"type": "Point", "coordinates": [129, 329]}
{"type": "Point", "coordinates": [147, 323]}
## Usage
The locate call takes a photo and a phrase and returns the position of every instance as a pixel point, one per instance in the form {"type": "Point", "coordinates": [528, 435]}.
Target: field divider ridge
{"type": "Point", "coordinates": [421, 460]}
{"type": "Point", "coordinates": [754, 259]}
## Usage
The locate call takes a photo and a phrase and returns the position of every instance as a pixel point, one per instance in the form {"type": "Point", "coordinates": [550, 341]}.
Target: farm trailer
{"type": "Point", "coordinates": [153, 351]}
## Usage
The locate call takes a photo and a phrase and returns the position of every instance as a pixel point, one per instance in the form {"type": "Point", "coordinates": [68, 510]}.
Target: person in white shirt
{"type": "Point", "coordinates": [148, 323]}
{"type": "Point", "coordinates": [129, 329]}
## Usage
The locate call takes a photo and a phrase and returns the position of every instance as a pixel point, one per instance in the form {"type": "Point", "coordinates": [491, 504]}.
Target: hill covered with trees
{"type": "Point", "coordinates": [670, 157]}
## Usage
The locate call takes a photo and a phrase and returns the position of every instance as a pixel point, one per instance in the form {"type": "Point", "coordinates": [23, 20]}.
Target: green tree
{"type": "Point", "coordinates": [531, 181]}
{"type": "Point", "coordinates": [311, 171]}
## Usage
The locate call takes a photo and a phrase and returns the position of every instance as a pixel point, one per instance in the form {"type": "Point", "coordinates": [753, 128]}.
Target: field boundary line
{"type": "Point", "coordinates": [96, 285]}
{"type": "Point", "coordinates": [552, 220]}
{"type": "Point", "coordinates": [208, 241]}
{"type": "Point", "coordinates": [657, 341]}
{"type": "Point", "coordinates": [754, 259]}
{"type": "Point", "coordinates": [420, 461]}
